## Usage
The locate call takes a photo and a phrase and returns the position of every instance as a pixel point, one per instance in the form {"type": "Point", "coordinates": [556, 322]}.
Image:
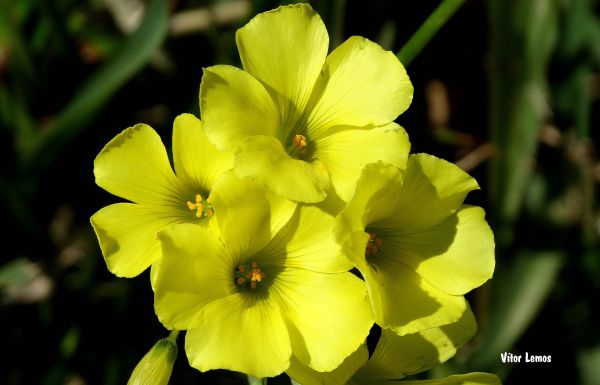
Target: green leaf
{"type": "Point", "coordinates": [94, 94]}
{"type": "Point", "coordinates": [522, 38]}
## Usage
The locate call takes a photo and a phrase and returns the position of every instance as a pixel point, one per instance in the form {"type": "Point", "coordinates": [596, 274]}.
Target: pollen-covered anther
{"type": "Point", "coordinates": [249, 275]}
{"type": "Point", "coordinates": [203, 207]}
{"type": "Point", "coordinates": [299, 141]}
{"type": "Point", "coordinates": [373, 245]}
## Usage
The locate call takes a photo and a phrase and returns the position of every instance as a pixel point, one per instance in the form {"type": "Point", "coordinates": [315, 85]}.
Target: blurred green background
{"type": "Point", "coordinates": [508, 89]}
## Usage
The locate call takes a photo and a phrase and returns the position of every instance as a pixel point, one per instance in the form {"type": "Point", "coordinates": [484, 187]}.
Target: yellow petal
{"type": "Point", "coordinates": [405, 302]}
{"type": "Point", "coordinates": [307, 242]}
{"type": "Point", "coordinates": [398, 356]}
{"type": "Point", "coordinates": [197, 162]}
{"type": "Point", "coordinates": [285, 49]}
{"type": "Point", "coordinates": [235, 105]}
{"type": "Point", "coordinates": [240, 333]}
{"type": "Point", "coordinates": [347, 152]}
{"type": "Point", "coordinates": [263, 158]}
{"type": "Point", "coordinates": [361, 84]}
{"type": "Point", "coordinates": [459, 264]}
{"type": "Point", "coordinates": [339, 376]}
{"type": "Point", "coordinates": [376, 195]}
{"type": "Point", "coordinates": [329, 315]}
{"type": "Point", "coordinates": [248, 214]}
{"type": "Point", "coordinates": [127, 234]}
{"type": "Point", "coordinates": [195, 270]}
{"type": "Point", "coordinates": [134, 165]}
{"type": "Point", "coordinates": [433, 189]}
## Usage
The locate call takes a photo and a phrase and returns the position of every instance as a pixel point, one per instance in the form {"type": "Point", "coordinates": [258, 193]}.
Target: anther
{"type": "Point", "coordinates": [203, 207]}
{"type": "Point", "coordinates": [249, 274]}
{"type": "Point", "coordinates": [373, 245]}
{"type": "Point", "coordinates": [299, 141]}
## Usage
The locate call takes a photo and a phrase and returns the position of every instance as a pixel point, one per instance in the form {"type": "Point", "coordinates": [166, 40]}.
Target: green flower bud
{"type": "Point", "coordinates": [156, 366]}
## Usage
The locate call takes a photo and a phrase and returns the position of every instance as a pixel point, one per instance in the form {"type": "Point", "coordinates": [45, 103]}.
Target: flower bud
{"type": "Point", "coordinates": [156, 366]}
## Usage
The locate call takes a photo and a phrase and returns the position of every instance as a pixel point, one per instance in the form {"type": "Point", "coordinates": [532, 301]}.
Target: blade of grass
{"type": "Point", "coordinates": [427, 30]}
{"type": "Point", "coordinates": [89, 100]}
{"type": "Point", "coordinates": [523, 35]}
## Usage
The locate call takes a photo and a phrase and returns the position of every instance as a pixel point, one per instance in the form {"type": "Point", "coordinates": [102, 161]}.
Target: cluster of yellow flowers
{"type": "Point", "coordinates": [296, 219]}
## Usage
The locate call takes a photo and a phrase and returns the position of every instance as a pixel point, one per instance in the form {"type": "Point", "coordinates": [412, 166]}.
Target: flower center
{"type": "Point", "coordinates": [203, 207]}
{"type": "Point", "coordinates": [249, 274]}
{"type": "Point", "coordinates": [299, 141]}
{"type": "Point", "coordinates": [373, 245]}
{"type": "Point", "coordinates": [299, 146]}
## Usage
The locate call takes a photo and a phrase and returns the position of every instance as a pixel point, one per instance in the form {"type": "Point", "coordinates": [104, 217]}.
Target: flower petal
{"type": "Point", "coordinates": [127, 235]}
{"type": "Point", "coordinates": [134, 165]}
{"type": "Point", "coordinates": [406, 303]}
{"type": "Point", "coordinates": [194, 270]}
{"type": "Point", "coordinates": [241, 333]}
{"type": "Point", "coordinates": [339, 376]}
{"type": "Point", "coordinates": [307, 242]}
{"type": "Point", "coordinates": [248, 215]}
{"type": "Point", "coordinates": [475, 378]}
{"type": "Point", "coordinates": [433, 189]}
{"type": "Point", "coordinates": [361, 84]}
{"type": "Point", "coordinates": [314, 305]}
{"type": "Point", "coordinates": [235, 105]}
{"type": "Point", "coordinates": [346, 153]}
{"type": "Point", "coordinates": [398, 356]}
{"type": "Point", "coordinates": [198, 164]}
{"type": "Point", "coordinates": [263, 158]}
{"type": "Point", "coordinates": [375, 198]}
{"type": "Point", "coordinates": [458, 265]}
{"type": "Point", "coordinates": [285, 49]}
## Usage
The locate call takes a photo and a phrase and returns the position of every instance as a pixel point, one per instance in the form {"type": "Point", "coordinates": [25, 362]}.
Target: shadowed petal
{"type": "Point", "coordinates": [263, 158]}
{"type": "Point", "coordinates": [456, 266]}
{"type": "Point", "coordinates": [194, 271]}
{"type": "Point", "coordinates": [248, 214]}
{"type": "Point", "coordinates": [346, 153]}
{"type": "Point", "coordinates": [398, 356]}
{"type": "Point", "coordinates": [198, 163]}
{"type": "Point", "coordinates": [339, 376]}
{"type": "Point", "coordinates": [234, 106]}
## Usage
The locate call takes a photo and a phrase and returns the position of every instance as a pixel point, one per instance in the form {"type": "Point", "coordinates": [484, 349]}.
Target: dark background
{"type": "Point", "coordinates": [508, 89]}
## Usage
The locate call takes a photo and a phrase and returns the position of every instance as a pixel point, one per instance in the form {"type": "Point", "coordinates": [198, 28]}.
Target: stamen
{"type": "Point", "coordinates": [203, 207]}
{"type": "Point", "coordinates": [373, 245]}
{"type": "Point", "coordinates": [298, 149]}
{"type": "Point", "coordinates": [249, 275]}
{"type": "Point", "coordinates": [299, 141]}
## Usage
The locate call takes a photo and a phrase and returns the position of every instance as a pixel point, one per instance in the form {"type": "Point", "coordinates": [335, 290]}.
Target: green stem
{"type": "Point", "coordinates": [173, 336]}
{"type": "Point", "coordinates": [256, 381]}
{"type": "Point", "coordinates": [434, 22]}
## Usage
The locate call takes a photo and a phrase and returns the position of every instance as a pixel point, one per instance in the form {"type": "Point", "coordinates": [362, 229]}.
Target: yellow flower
{"type": "Point", "coordinates": [300, 121]}
{"type": "Point", "coordinates": [396, 357]}
{"type": "Point", "coordinates": [274, 285]}
{"type": "Point", "coordinates": [134, 165]}
{"type": "Point", "coordinates": [417, 246]}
